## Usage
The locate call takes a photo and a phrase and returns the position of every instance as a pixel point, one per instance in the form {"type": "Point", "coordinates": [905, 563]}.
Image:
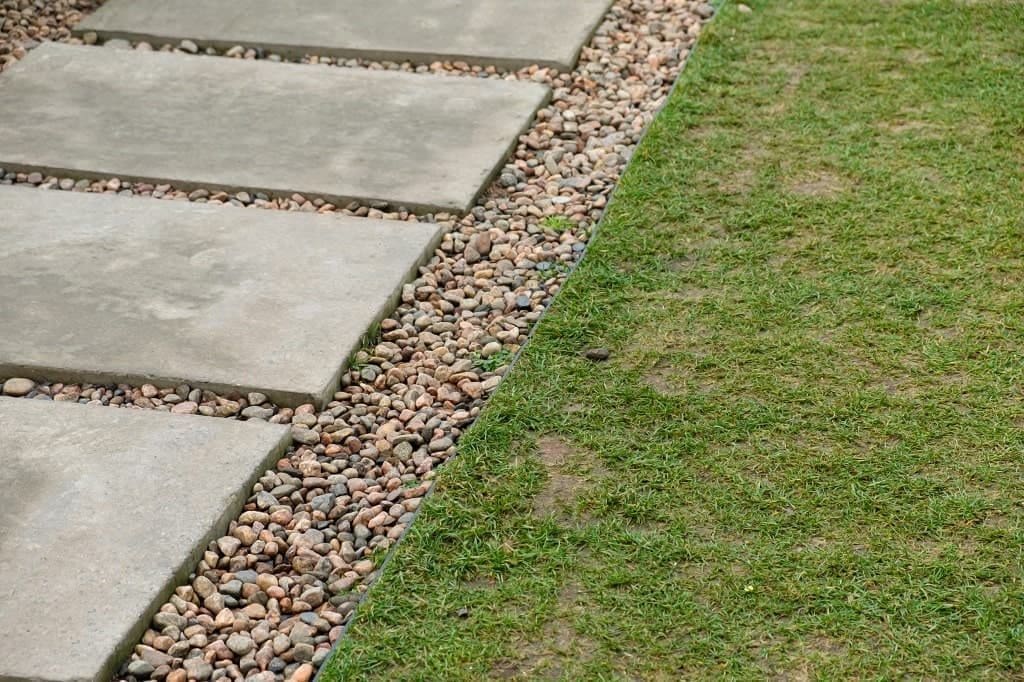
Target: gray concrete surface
{"type": "Point", "coordinates": [421, 141]}
{"type": "Point", "coordinates": [506, 33]}
{"type": "Point", "coordinates": [104, 511]}
{"type": "Point", "coordinates": [104, 288]}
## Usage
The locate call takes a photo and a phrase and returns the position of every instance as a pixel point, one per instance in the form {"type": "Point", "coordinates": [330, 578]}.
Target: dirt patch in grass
{"type": "Point", "coordinates": [795, 247]}
{"type": "Point", "coordinates": [818, 185]}
{"type": "Point", "coordinates": [915, 56]}
{"type": "Point", "coordinates": [570, 474]}
{"type": "Point", "coordinates": [743, 178]}
{"type": "Point", "coordinates": [479, 582]}
{"type": "Point", "coordinates": [660, 378]}
{"type": "Point", "coordinates": [795, 74]}
{"type": "Point", "coordinates": [902, 125]}
{"type": "Point", "coordinates": [738, 182]}
{"type": "Point", "coordinates": [814, 544]}
{"type": "Point", "coordinates": [804, 660]}
{"type": "Point", "coordinates": [928, 324]}
{"type": "Point", "coordinates": [698, 248]}
{"type": "Point", "coordinates": [672, 380]}
{"type": "Point", "coordinates": [558, 651]}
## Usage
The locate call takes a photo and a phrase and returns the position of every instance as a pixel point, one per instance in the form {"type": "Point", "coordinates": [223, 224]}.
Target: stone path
{"type": "Point", "coordinates": [424, 142]}
{"type": "Point", "coordinates": [107, 510]}
{"type": "Point", "coordinates": [103, 512]}
{"type": "Point", "coordinates": [108, 290]}
{"type": "Point", "coordinates": [506, 33]}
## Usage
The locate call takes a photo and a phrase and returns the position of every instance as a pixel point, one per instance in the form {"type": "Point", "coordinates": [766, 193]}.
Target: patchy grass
{"type": "Point", "coordinates": [558, 223]}
{"type": "Point", "coordinates": [804, 458]}
{"type": "Point", "coordinates": [490, 364]}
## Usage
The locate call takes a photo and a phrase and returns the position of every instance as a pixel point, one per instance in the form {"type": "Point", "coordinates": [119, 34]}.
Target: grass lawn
{"type": "Point", "coordinates": [803, 459]}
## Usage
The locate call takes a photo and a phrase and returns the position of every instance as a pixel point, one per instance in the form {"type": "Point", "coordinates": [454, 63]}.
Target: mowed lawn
{"type": "Point", "coordinates": [804, 458]}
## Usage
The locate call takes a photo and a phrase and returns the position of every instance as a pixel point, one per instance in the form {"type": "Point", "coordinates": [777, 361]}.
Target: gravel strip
{"type": "Point", "coordinates": [270, 598]}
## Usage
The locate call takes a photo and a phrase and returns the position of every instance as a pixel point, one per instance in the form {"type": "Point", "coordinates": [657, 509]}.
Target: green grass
{"type": "Point", "coordinates": [558, 223]}
{"type": "Point", "coordinates": [489, 364]}
{"type": "Point", "coordinates": [803, 459]}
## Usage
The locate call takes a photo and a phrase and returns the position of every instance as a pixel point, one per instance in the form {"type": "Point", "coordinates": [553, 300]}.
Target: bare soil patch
{"type": "Point", "coordinates": [570, 474]}
{"type": "Point", "coordinates": [557, 651]}
{"type": "Point", "coordinates": [818, 185]}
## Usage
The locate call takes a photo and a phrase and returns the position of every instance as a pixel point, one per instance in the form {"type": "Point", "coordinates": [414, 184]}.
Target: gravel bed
{"type": "Point", "coordinates": [270, 598]}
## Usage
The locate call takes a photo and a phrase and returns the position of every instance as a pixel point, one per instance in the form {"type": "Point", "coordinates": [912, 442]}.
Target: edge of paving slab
{"type": "Point", "coordinates": [492, 175]}
{"type": "Point", "coordinates": [180, 572]}
{"type": "Point", "coordinates": [452, 205]}
{"type": "Point", "coordinates": [565, 63]}
{"type": "Point", "coordinates": [719, 5]}
{"type": "Point", "coordinates": [588, 35]}
{"type": "Point", "coordinates": [184, 569]}
{"type": "Point", "coordinates": [282, 397]}
{"type": "Point", "coordinates": [297, 51]}
{"type": "Point", "coordinates": [372, 332]}
{"type": "Point", "coordinates": [190, 185]}
{"type": "Point", "coordinates": [45, 373]}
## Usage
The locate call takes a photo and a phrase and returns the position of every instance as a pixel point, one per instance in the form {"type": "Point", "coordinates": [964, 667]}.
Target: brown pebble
{"type": "Point", "coordinates": [302, 674]}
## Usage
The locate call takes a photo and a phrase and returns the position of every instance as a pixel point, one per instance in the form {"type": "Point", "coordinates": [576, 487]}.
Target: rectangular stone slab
{"type": "Point", "coordinates": [505, 33]}
{"type": "Point", "coordinates": [103, 288]}
{"type": "Point", "coordinates": [420, 141]}
{"type": "Point", "coordinates": [104, 512]}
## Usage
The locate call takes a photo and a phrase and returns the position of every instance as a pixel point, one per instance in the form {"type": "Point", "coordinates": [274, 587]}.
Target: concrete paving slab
{"type": "Point", "coordinates": [506, 33]}
{"type": "Point", "coordinates": [420, 141]}
{"type": "Point", "coordinates": [104, 288]}
{"type": "Point", "coordinates": [105, 511]}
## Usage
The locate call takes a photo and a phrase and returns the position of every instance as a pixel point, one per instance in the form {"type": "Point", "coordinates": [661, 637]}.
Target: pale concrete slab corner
{"type": "Point", "coordinates": [141, 493]}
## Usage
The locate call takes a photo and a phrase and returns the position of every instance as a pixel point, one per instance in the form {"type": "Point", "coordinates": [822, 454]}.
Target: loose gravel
{"type": "Point", "coordinates": [269, 599]}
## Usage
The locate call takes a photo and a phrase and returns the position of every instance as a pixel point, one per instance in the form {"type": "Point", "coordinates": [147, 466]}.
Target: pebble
{"type": "Point", "coordinates": [197, 669]}
{"type": "Point", "coordinates": [704, 10]}
{"type": "Point", "coordinates": [140, 668]}
{"type": "Point", "coordinates": [240, 644]}
{"type": "Point", "coordinates": [303, 652]}
{"type": "Point", "coordinates": [491, 349]}
{"type": "Point", "coordinates": [18, 387]}
{"type": "Point", "coordinates": [228, 545]}
{"type": "Point", "coordinates": [304, 435]}
{"type": "Point", "coordinates": [186, 407]}
{"type": "Point", "coordinates": [302, 674]}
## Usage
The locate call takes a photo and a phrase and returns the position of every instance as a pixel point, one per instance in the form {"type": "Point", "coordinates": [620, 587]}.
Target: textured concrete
{"type": "Point", "coordinates": [507, 33]}
{"type": "Point", "coordinates": [425, 142]}
{"type": "Point", "coordinates": [104, 511]}
{"type": "Point", "coordinates": [104, 288]}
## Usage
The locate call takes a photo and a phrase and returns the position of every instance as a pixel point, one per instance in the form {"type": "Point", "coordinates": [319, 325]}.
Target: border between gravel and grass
{"type": "Point", "coordinates": [719, 5]}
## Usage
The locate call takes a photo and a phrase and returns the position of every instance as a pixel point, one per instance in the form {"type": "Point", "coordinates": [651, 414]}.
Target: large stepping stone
{"type": "Point", "coordinates": [103, 288]}
{"type": "Point", "coordinates": [104, 512]}
{"type": "Point", "coordinates": [420, 141]}
{"type": "Point", "coordinates": [506, 33]}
